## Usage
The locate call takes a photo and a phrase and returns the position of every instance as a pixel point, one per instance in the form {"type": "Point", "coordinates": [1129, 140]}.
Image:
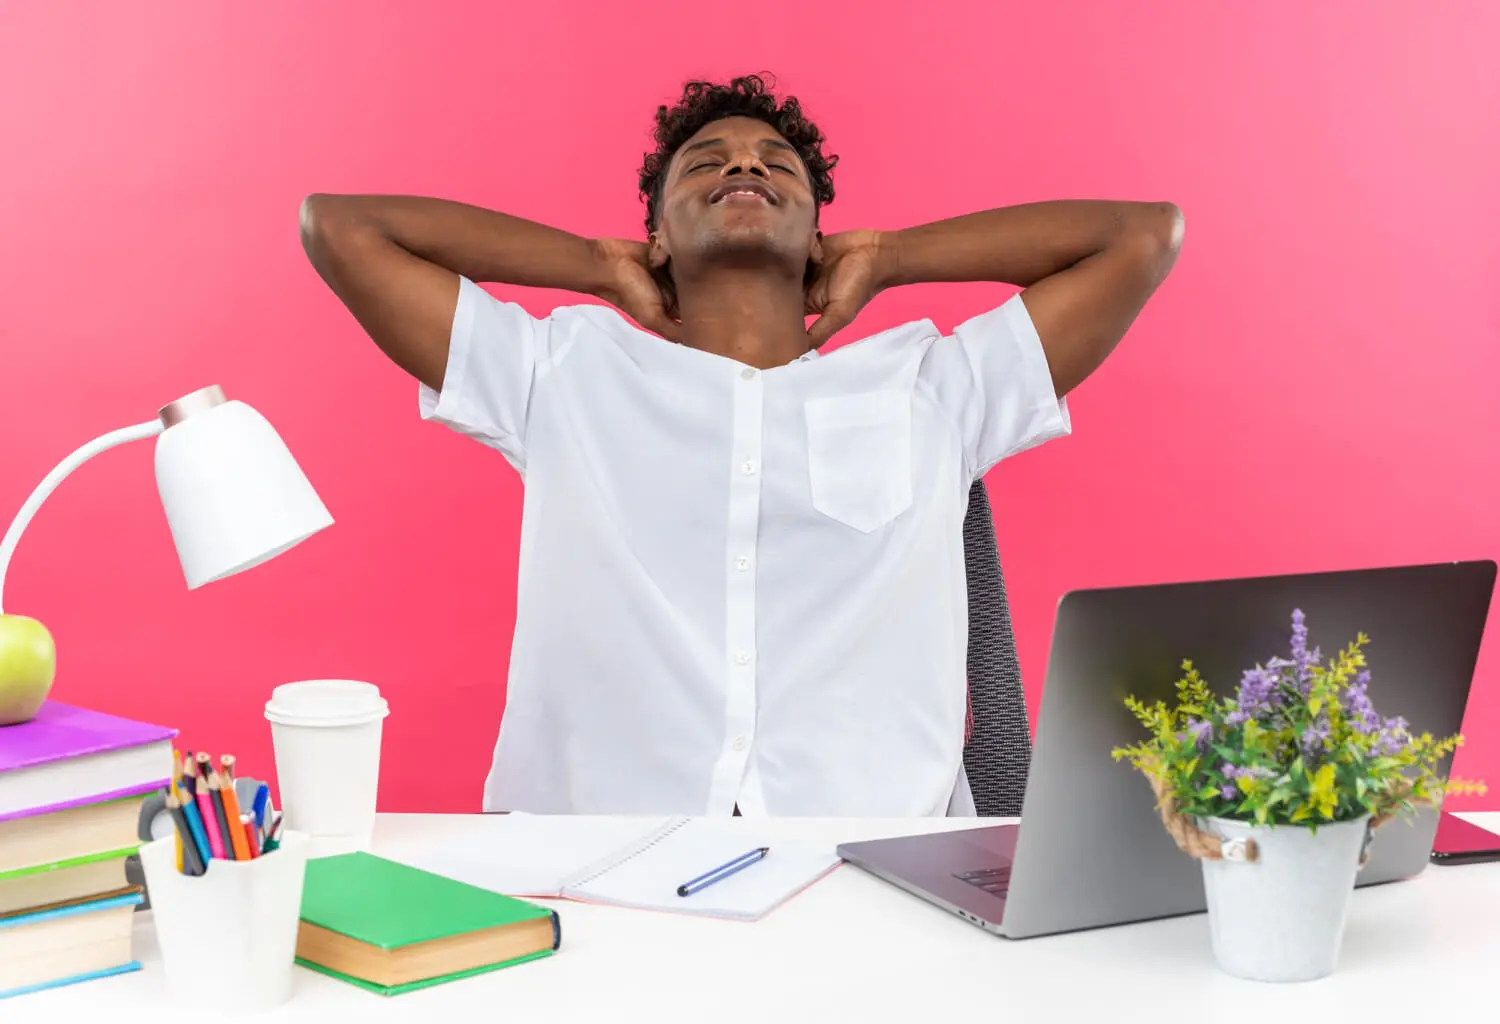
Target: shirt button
{"type": "Point", "coordinates": [740, 743]}
{"type": "Point", "coordinates": [747, 374]}
{"type": "Point", "coordinates": [742, 658]}
{"type": "Point", "coordinates": [748, 468]}
{"type": "Point", "coordinates": [742, 563]}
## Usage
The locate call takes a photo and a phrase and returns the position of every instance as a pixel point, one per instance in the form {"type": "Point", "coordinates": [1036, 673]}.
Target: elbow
{"type": "Point", "coordinates": [329, 222]}
{"type": "Point", "coordinates": [313, 221]}
{"type": "Point", "coordinates": [1163, 226]}
{"type": "Point", "coordinates": [1154, 235]}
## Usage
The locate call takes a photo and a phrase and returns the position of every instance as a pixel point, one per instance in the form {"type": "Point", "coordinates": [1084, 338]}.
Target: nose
{"type": "Point", "coordinates": [745, 163]}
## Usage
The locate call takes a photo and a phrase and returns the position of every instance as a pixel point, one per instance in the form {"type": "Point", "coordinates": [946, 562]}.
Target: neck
{"type": "Point", "coordinates": [745, 314]}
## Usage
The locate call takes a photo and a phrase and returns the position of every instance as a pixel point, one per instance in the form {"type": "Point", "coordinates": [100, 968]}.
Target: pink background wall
{"type": "Point", "coordinates": [1314, 388]}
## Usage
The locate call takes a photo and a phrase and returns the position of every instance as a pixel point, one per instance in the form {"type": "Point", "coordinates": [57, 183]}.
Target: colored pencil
{"type": "Point", "coordinates": [186, 845]}
{"type": "Point", "coordinates": [185, 781]}
{"type": "Point", "coordinates": [195, 829]}
{"type": "Point", "coordinates": [203, 763]}
{"type": "Point", "coordinates": [226, 767]}
{"type": "Point", "coordinates": [210, 822]}
{"type": "Point", "coordinates": [216, 798]}
{"type": "Point", "coordinates": [231, 803]}
{"type": "Point", "coordinates": [173, 794]}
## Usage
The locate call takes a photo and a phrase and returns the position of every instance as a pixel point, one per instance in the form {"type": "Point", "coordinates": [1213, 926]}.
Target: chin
{"type": "Point", "coordinates": [742, 241]}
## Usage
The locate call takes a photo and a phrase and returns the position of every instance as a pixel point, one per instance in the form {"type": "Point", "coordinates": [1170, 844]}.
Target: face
{"type": "Point", "coordinates": [737, 191]}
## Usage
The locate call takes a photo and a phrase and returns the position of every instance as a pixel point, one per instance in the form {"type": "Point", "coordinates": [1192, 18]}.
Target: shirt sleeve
{"type": "Point", "coordinates": [493, 353]}
{"type": "Point", "coordinates": [991, 376]}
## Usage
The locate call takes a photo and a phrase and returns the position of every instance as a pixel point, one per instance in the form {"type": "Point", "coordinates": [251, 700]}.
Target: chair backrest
{"type": "Point", "coordinates": [997, 744]}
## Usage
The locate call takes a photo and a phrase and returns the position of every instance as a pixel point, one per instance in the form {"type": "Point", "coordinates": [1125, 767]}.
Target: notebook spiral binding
{"type": "Point", "coordinates": [650, 841]}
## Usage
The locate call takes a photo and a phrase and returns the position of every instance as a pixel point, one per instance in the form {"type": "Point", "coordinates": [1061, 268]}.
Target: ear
{"type": "Point", "coordinates": [657, 252]}
{"type": "Point", "coordinates": [814, 259]}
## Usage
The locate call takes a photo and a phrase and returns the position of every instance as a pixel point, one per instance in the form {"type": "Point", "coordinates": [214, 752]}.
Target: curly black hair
{"type": "Point", "coordinates": [746, 96]}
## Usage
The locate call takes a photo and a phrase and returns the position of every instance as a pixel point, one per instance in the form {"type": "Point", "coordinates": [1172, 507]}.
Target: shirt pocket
{"type": "Point", "coordinates": [859, 457]}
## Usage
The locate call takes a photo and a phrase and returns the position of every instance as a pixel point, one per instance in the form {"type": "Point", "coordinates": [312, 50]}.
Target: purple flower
{"type": "Point", "coordinates": [1258, 693]}
{"type": "Point", "coordinates": [1235, 718]}
{"type": "Point", "coordinates": [1228, 792]}
{"type": "Point", "coordinates": [1232, 772]}
{"type": "Point", "coordinates": [1314, 736]}
{"type": "Point", "coordinates": [1393, 736]}
{"type": "Point", "coordinates": [1303, 659]}
{"type": "Point", "coordinates": [1200, 731]}
{"type": "Point", "coordinates": [1357, 706]}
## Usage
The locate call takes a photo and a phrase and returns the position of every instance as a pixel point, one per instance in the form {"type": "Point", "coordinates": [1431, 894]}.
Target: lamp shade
{"type": "Point", "coordinates": [233, 494]}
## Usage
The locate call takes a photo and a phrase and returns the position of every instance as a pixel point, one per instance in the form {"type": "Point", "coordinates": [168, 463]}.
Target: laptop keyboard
{"type": "Point", "coordinates": [995, 881]}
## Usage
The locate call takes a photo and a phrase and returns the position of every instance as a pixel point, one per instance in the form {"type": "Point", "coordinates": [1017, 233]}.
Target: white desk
{"type": "Point", "coordinates": [852, 948]}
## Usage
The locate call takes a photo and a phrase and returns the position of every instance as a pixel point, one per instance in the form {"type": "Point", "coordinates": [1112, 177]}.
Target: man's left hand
{"type": "Point", "coordinates": [853, 271]}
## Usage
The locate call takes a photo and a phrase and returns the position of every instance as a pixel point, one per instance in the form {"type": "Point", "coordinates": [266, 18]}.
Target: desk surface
{"type": "Point", "coordinates": [853, 948]}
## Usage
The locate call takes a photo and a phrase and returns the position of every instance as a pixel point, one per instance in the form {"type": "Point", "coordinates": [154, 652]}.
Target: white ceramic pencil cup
{"type": "Point", "coordinates": [326, 734]}
{"type": "Point", "coordinates": [228, 937]}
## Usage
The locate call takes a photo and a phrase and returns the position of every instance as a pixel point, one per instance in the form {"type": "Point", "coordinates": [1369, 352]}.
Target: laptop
{"type": "Point", "coordinates": [1091, 851]}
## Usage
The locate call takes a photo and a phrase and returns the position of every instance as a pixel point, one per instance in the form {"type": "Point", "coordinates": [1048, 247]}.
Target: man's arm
{"type": "Point", "coordinates": [394, 261]}
{"type": "Point", "coordinates": [1087, 268]}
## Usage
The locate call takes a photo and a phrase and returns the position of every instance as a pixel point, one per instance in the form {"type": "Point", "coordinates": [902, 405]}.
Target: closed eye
{"type": "Point", "coordinates": [782, 167]}
{"type": "Point", "coordinates": [700, 166]}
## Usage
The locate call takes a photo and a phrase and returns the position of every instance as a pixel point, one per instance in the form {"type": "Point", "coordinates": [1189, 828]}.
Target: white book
{"type": "Point", "coordinates": [629, 862]}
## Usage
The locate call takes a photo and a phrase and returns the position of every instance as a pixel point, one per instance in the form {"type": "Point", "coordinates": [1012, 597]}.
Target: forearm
{"type": "Point", "coordinates": [1024, 244]}
{"type": "Point", "coordinates": [482, 245]}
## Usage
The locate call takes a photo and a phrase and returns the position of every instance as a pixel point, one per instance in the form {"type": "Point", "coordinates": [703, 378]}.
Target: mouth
{"type": "Point", "coordinates": [748, 191]}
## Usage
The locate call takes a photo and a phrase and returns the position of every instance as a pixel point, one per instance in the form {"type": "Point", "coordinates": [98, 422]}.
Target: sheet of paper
{"type": "Point", "coordinates": [649, 880]}
{"type": "Point", "coordinates": [535, 854]}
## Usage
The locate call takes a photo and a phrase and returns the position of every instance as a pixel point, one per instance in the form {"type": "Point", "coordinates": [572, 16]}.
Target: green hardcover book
{"type": "Point", "coordinates": [391, 928]}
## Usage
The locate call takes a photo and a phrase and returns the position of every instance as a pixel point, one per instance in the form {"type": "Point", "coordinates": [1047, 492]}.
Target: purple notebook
{"type": "Point", "coordinates": [62, 731]}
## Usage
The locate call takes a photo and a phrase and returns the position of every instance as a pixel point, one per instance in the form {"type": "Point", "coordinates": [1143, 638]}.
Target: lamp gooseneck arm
{"type": "Point", "coordinates": [49, 484]}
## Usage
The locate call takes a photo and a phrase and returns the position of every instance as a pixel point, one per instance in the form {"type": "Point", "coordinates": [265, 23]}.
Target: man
{"type": "Point", "coordinates": [741, 575]}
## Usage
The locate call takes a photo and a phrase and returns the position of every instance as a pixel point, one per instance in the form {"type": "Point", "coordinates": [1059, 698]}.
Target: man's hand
{"type": "Point", "coordinates": [632, 286]}
{"type": "Point", "coordinates": [855, 267]}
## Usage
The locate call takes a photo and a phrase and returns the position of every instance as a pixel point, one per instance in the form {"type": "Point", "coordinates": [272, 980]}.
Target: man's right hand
{"type": "Point", "coordinates": [644, 295]}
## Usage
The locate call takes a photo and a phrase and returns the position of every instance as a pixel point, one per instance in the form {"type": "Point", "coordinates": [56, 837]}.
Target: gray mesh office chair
{"type": "Point", "coordinates": [997, 747]}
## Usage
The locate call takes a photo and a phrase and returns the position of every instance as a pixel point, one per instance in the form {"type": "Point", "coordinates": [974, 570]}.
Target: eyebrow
{"type": "Point", "coordinates": [718, 141]}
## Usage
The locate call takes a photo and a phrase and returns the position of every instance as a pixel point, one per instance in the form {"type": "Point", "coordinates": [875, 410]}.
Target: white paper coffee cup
{"type": "Point", "coordinates": [326, 735]}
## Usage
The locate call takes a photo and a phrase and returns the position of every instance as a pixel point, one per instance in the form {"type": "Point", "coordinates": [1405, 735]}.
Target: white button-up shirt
{"type": "Point", "coordinates": [739, 587]}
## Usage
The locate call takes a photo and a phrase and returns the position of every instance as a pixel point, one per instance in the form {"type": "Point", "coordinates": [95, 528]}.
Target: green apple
{"type": "Point", "coordinates": [28, 661]}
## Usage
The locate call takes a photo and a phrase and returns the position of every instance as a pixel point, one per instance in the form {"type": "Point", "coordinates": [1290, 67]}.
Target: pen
{"type": "Point", "coordinates": [273, 837]}
{"type": "Point", "coordinates": [252, 839]}
{"type": "Point", "coordinates": [703, 881]}
{"type": "Point", "coordinates": [258, 806]}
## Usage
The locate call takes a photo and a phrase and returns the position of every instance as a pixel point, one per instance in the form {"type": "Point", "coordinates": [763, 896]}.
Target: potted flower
{"type": "Point", "coordinates": [1277, 790]}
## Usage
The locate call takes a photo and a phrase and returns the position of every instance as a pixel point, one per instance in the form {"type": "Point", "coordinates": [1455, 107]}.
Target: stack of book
{"type": "Point", "coordinates": [72, 783]}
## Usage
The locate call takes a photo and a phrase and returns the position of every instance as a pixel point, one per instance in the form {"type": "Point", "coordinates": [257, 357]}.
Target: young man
{"type": "Point", "coordinates": [741, 574]}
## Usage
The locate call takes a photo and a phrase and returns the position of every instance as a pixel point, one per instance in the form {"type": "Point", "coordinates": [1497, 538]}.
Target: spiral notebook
{"type": "Point", "coordinates": [630, 862]}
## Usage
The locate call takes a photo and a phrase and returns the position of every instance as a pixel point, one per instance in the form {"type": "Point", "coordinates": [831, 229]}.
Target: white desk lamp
{"type": "Point", "coordinates": [233, 495]}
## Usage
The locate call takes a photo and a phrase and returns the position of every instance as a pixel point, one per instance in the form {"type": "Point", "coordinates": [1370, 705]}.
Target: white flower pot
{"type": "Point", "coordinates": [1281, 917]}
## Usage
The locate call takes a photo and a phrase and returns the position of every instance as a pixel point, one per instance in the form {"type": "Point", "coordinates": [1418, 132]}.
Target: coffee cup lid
{"type": "Point", "coordinates": [326, 702]}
